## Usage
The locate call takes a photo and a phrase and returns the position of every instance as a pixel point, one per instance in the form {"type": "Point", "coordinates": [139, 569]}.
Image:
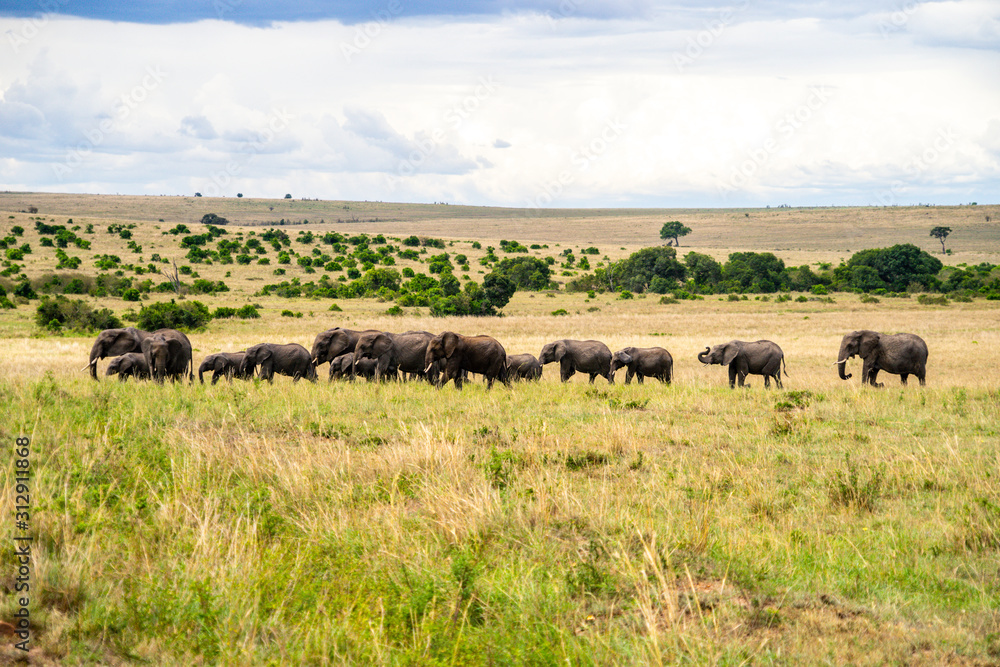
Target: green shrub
{"type": "Point", "coordinates": [223, 312]}
{"type": "Point", "coordinates": [62, 313]}
{"type": "Point", "coordinates": [560, 311]}
{"type": "Point", "coordinates": [170, 315]}
{"type": "Point", "coordinates": [248, 312]}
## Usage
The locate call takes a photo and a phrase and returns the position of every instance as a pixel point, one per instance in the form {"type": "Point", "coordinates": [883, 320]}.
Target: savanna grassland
{"type": "Point", "coordinates": [396, 523]}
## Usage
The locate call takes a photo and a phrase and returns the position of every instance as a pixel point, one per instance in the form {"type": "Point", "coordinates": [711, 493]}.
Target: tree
{"type": "Point", "coordinates": [674, 230]}
{"type": "Point", "coordinates": [941, 233]}
{"type": "Point", "coordinates": [288, 196]}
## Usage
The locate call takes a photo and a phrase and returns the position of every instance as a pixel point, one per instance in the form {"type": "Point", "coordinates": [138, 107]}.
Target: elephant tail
{"type": "Point", "coordinates": [784, 366]}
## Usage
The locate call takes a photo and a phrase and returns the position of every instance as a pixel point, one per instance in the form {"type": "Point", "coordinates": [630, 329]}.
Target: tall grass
{"type": "Point", "coordinates": [543, 523]}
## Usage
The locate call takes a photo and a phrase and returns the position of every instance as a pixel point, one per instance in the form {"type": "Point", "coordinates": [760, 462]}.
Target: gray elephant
{"type": "Point", "coordinates": [475, 354]}
{"type": "Point", "coordinates": [130, 364]}
{"type": "Point", "coordinates": [168, 354]}
{"type": "Point", "coordinates": [903, 354]}
{"type": "Point", "coordinates": [113, 343]}
{"type": "Point", "coordinates": [222, 364]}
{"type": "Point", "coordinates": [760, 357]}
{"type": "Point", "coordinates": [523, 367]}
{"type": "Point", "coordinates": [586, 356]}
{"type": "Point", "coordinates": [643, 362]}
{"type": "Point", "coordinates": [291, 359]}
{"type": "Point", "coordinates": [335, 342]}
{"type": "Point", "coordinates": [403, 351]}
{"type": "Point", "coordinates": [344, 367]}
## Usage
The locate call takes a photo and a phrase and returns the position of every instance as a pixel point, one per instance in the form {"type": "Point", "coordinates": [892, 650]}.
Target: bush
{"type": "Point", "coordinates": [170, 315]}
{"type": "Point", "coordinates": [131, 294]}
{"type": "Point", "coordinates": [62, 313]}
{"type": "Point", "coordinates": [248, 312]}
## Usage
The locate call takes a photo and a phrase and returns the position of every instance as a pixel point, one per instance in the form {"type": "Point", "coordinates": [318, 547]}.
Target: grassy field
{"type": "Point", "coordinates": [538, 524]}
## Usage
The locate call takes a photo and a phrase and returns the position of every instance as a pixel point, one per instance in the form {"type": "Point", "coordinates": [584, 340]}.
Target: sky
{"type": "Point", "coordinates": [534, 103]}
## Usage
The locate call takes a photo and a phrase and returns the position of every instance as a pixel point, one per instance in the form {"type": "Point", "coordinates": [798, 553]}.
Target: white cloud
{"type": "Point", "coordinates": [590, 111]}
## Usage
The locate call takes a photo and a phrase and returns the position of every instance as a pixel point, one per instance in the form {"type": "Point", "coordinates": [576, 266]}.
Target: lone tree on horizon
{"type": "Point", "coordinates": [941, 233]}
{"type": "Point", "coordinates": [673, 230]}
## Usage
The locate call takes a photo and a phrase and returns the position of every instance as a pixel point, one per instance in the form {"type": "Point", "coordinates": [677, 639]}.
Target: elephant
{"type": "Point", "coordinates": [129, 364]}
{"type": "Point", "coordinates": [113, 343]}
{"type": "Point", "coordinates": [903, 354]}
{"type": "Point", "coordinates": [222, 364]}
{"type": "Point", "coordinates": [291, 359]}
{"type": "Point", "coordinates": [475, 354]}
{"type": "Point", "coordinates": [523, 367]}
{"type": "Point", "coordinates": [404, 351]}
{"type": "Point", "coordinates": [343, 366]}
{"type": "Point", "coordinates": [643, 362]}
{"type": "Point", "coordinates": [587, 356]}
{"type": "Point", "coordinates": [335, 342]}
{"type": "Point", "coordinates": [760, 357]}
{"type": "Point", "coordinates": [168, 354]}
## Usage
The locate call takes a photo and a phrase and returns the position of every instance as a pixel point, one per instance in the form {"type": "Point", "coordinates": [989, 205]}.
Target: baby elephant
{"type": "Point", "coordinates": [643, 362]}
{"type": "Point", "coordinates": [761, 357]}
{"type": "Point", "coordinates": [222, 364]}
{"type": "Point", "coordinates": [129, 364]}
{"type": "Point", "coordinates": [523, 367]}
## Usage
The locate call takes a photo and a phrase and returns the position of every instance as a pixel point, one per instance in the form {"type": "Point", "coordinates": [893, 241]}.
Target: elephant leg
{"type": "Point", "coordinates": [777, 380]}
{"type": "Point", "coordinates": [592, 376]}
{"type": "Point", "coordinates": [732, 376]}
{"type": "Point", "coordinates": [903, 377]}
{"type": "Point", "coordinates": [628, 377]}
{"type": "Point", "coordinates": [215, 376]}
{"type": "Point", "coordinates": [640, 378]}
{"type": "Point", "coordinates": [741, 378]}
{"type": "Point", "coordinates": [566, 371]}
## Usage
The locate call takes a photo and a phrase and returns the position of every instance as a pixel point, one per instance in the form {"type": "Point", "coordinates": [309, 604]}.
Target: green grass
{"type": "Point", "coordinates": [389, 524]}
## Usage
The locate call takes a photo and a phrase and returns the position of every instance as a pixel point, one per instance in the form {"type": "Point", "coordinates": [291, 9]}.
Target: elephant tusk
{"type": "Point", "coordinates": [428, 369]}
{"type": "Point", "coordinates": [88, 365]}
{"type": "Point", "coordinates": [842, 361]}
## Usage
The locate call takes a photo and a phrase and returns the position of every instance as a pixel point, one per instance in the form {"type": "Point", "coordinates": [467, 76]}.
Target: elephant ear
{"type": "Point", "coordinates": [559, 351]}
{"type": "Point", "coordinates": [381, 345]}
{"type": "Point", "coordinates": [729, 353]}
{"type": "Point", "coordinates": [450, 344]}
{"type": "Point", "coordinates": [869, 343]}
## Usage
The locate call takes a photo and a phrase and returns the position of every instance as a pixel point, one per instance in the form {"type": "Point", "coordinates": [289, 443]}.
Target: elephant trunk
{"type": "Point", "coordinates": [842, 362]}
{"type": "Point", "coordinates": [96, 353]}
{"type": "Point", "coordinates": [701, 355]}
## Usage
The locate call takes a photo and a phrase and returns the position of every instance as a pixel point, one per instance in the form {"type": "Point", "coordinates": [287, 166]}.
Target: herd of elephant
{"type": "Point", "coordinates": [378, 355]}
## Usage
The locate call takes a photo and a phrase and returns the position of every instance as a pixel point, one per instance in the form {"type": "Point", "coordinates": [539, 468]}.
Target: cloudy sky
{"type": "Point", "coordinates": [549, 103]}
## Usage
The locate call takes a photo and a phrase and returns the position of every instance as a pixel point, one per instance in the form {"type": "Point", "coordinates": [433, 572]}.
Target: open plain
{"type": "Point", "coordinates": [544, 523]}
